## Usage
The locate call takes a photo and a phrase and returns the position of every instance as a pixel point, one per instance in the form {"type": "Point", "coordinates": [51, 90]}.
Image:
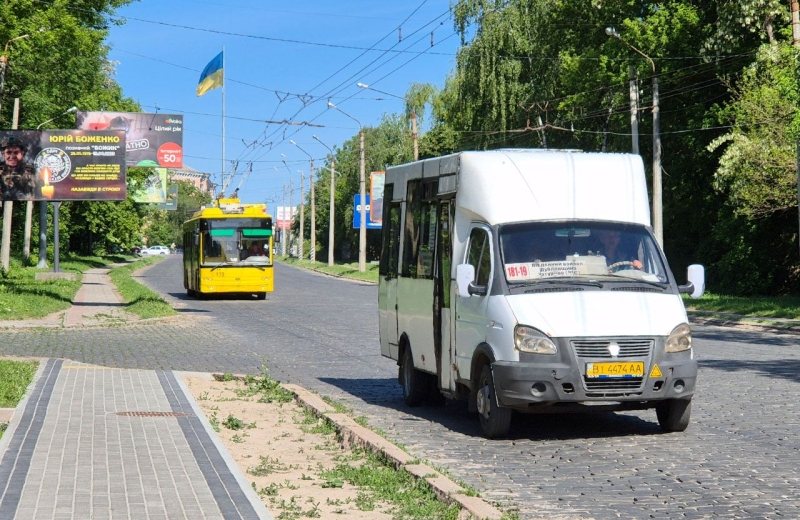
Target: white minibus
{"type": "Point", "coordinates": [531, 280]}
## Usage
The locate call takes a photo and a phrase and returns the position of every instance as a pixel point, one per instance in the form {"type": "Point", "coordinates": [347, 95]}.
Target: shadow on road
{"type": "Point", "coordinates": [785, 368]}
{"type": "Point", "coordinates": [454, 416]}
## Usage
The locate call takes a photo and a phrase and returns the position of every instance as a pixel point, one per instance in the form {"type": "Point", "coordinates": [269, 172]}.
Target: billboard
{"type": "Point", "coordinates": [376, 183]}
{"type": "Point", "coordinates": [171, 204]}
{"type": "Point", "coordinates": [285, 216]}
{"type": "Point", "coordinates": [154, 189]}
{"type": "Point", "coordinates": [151, 139]}
{"type": "Point", "coordinates": [62, 165]}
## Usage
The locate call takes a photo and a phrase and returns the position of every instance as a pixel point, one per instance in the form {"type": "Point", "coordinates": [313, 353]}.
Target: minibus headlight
{"type": "Point", "coordinates": [679, 339]}
{"type": "Point", "coordinates": [528, 339]}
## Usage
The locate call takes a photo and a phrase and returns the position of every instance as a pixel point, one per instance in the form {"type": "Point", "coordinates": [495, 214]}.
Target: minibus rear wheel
{"type": "Point", "coordinates": [495, 420]}
{"type": "Point", "coordinates": [413, 381]}
{"type": "Point", "coordinates": [674, 414]}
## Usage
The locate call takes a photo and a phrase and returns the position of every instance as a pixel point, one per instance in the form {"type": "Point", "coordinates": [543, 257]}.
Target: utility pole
{"type": "Point", "coordinates": [331, 204]}
{"type": "Point", "coordinates": [658, 226]}
{"type": "Point", "coordinates": [302, 216]}
{"type": "Point", "coordinates": [634, 110]}
{"type": "Point", "coordinates": [414, 134]}
{"type": "Point", "coordinates": [313, 216]}
{"type": "Point", "coordinates": [8, 207]}
{"type": "Point", "coordinates": [283, 231]}
{"type": "Point", "coordinates": [362, 229]}
{"type": "Point", "coordinates": [291, 210]}
{"type": "Point", "coordinates": [795, 24]}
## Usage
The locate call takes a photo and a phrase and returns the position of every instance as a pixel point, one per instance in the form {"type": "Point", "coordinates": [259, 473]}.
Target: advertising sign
{"type": "Point", "coordinates": [63, 165]}
{"type": "Point", "coordinates": [285, 216]}
{"type": "Point", "coordinates": [151, 139]}
{"type": "Point", "coordinates": [154, 189]}
{"type": "Point", "coordinates": [357, 214]}
{"type": "Point", "coordinates": [376, 182]}
{"type": "Point", "coordinates": [171, 204]}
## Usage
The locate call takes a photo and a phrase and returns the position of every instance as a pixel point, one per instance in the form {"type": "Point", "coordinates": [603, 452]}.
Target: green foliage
{"type": "Point", "coordinates": [758, 166]}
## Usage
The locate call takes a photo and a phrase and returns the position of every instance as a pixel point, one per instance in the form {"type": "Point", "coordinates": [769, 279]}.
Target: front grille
{"type": "Point", "coordinates": [588, 350]}
{"type": "Point", "coordinates": [599, 348]}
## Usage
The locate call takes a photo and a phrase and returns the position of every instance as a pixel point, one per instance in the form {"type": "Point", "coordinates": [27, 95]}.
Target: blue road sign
{"type": "Point", "coordinates": [357, 214]}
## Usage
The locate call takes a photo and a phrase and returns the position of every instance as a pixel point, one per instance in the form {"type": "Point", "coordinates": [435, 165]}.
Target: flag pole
{"type": "Point", "coordinates": [223, 118]}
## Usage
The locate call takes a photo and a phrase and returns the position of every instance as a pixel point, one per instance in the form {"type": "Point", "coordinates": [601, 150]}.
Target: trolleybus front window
{"type": "Point", "coordinates": [230, 241]}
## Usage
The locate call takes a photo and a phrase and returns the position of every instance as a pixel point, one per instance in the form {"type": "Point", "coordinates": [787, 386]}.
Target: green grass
{"type": "Point", "coordinates": [410, 497]}
{"type": "Point", "coordinates": [22, 297]}
{"type": "Point", "coordinates": [349, 270]}
{"type": "Point", "coordinates": [757, 306]}
{"type": "Point", "coordinates": [139, 299]}
{"type": "Point", "coordinates": [15, 376]}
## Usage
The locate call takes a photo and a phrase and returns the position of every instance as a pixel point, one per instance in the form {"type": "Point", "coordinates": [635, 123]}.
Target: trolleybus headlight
{"type": "Point", "coordinates": [679, 339]}
{"type": "Point", "coordinates": [528, 339]}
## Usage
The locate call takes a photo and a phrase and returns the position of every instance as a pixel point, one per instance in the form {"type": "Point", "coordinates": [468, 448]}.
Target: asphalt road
{"type": "Point", "coordinates": [738, 459]}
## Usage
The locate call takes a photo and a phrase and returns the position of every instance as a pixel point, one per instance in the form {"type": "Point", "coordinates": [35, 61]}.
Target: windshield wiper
{"type": "Point", "coordinates": [226, 262]}
{"type": "Point", "coordinates": [661, 285]}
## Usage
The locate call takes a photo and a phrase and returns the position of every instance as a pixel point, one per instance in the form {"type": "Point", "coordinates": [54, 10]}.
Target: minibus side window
{"type": "Point", "coordinates": [479, 256]}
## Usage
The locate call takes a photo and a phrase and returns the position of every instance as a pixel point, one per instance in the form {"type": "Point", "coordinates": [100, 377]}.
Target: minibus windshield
{"type": "Point", "coordinates": [533, 252]}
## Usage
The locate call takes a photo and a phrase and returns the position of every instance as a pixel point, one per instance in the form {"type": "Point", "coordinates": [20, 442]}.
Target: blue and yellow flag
{"type": "Point", "coordinates": [211, 77]}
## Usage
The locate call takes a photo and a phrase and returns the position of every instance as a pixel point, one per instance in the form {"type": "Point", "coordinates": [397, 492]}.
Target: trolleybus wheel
{"type": "Point", "coordinates": [414, 382]}
{"type": "Point", "coordinates": [495, 421]}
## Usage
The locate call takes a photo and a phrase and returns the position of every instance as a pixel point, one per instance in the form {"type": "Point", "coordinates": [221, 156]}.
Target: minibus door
{"type": "Point", "coordinates": [442, 319]}
{"type": "Point", "coordinates": [387, 290]}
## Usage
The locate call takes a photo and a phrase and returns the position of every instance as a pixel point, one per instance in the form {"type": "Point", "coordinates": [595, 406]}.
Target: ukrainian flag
{"type": "Point", "coordinates": [211, 77]}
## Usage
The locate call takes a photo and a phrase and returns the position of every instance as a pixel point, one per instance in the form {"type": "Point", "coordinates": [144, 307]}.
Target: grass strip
{"type": "Point", "coordinates": [15, 376]}
{"type": "Point", "coordinates": [141, 301]}
{"type": "Point", "coordinates": [23, 297]}
{"type": "Point", "coordinates": [344, 270]}
{"type": "Point", "coordinates": [785, 307]}
{"type": "Point", "coordinates": [411, 497]}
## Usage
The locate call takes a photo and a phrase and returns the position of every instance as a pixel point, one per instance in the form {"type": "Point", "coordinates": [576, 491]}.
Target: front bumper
{"type": "Point", "coordinates": [539, 383]}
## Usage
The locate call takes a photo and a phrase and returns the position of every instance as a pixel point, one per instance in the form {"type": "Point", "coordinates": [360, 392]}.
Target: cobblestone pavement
{"type": "Point", "coordinates": [738, 459]}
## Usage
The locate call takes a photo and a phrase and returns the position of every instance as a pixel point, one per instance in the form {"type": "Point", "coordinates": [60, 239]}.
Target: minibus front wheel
{"type": "Point", "coordinates": [674, 414]}
{"type": "Point", "coordinates": [495, 420]}
{"type": "Point", "coordinates": [413, 381]}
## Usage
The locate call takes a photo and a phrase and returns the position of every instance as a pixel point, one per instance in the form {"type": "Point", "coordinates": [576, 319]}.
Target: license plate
{"type": "Point", "coordinates": [615, 370]}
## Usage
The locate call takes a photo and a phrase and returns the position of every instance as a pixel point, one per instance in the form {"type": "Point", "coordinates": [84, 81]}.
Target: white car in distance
{"type": "Point", "coordinates": [155, 250]}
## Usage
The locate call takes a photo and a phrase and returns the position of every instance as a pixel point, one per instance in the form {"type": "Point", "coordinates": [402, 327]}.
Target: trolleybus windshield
{"type": "Point", "coordinates": [237, 240]}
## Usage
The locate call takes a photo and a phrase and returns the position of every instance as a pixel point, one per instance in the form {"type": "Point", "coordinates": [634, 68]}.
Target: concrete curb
{"type": "Point", "coordinates": [353, 434]}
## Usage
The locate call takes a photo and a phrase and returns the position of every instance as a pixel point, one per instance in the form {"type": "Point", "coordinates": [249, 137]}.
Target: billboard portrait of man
{"type": "Point", "coordinates": [18, 174]}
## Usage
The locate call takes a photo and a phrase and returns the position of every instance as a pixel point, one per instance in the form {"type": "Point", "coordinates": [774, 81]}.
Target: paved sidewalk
{"type": "Point", "coordinates": [103, 443]}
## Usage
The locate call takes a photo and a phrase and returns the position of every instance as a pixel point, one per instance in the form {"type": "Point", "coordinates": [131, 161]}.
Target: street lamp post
{"type": "Point", "coordinates": [333, 189]}
{"type": "Point", "coordinates": [362, 228]}
{"type": "Point", "coordinates": [313, 208]}
{"type": "Point", "coordinates": [413, 117]}
{"type": "Point", "coordinates": [658, 226]}
{"type": "Point", "coordinates": [291, 206]}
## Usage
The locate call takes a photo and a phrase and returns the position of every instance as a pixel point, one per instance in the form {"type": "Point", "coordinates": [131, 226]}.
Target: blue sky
{"type": "Point", "coordinates": [165, 44]}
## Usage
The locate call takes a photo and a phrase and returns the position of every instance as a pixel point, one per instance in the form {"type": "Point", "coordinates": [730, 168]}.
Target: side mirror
{"type": "Point", "coordinates": [696, 285]}
{"type": "Point", "coordinates": [465, 274]}
{"type": "Point", "coordinates": [197, 239]}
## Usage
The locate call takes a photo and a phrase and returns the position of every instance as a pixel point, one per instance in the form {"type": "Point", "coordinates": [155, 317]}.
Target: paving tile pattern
{"type": "Point", "coordinates": [738, 459]}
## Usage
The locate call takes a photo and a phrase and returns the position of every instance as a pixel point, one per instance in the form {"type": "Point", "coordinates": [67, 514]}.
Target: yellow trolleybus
{"type": "Point", "coordinates": [227, 249]}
